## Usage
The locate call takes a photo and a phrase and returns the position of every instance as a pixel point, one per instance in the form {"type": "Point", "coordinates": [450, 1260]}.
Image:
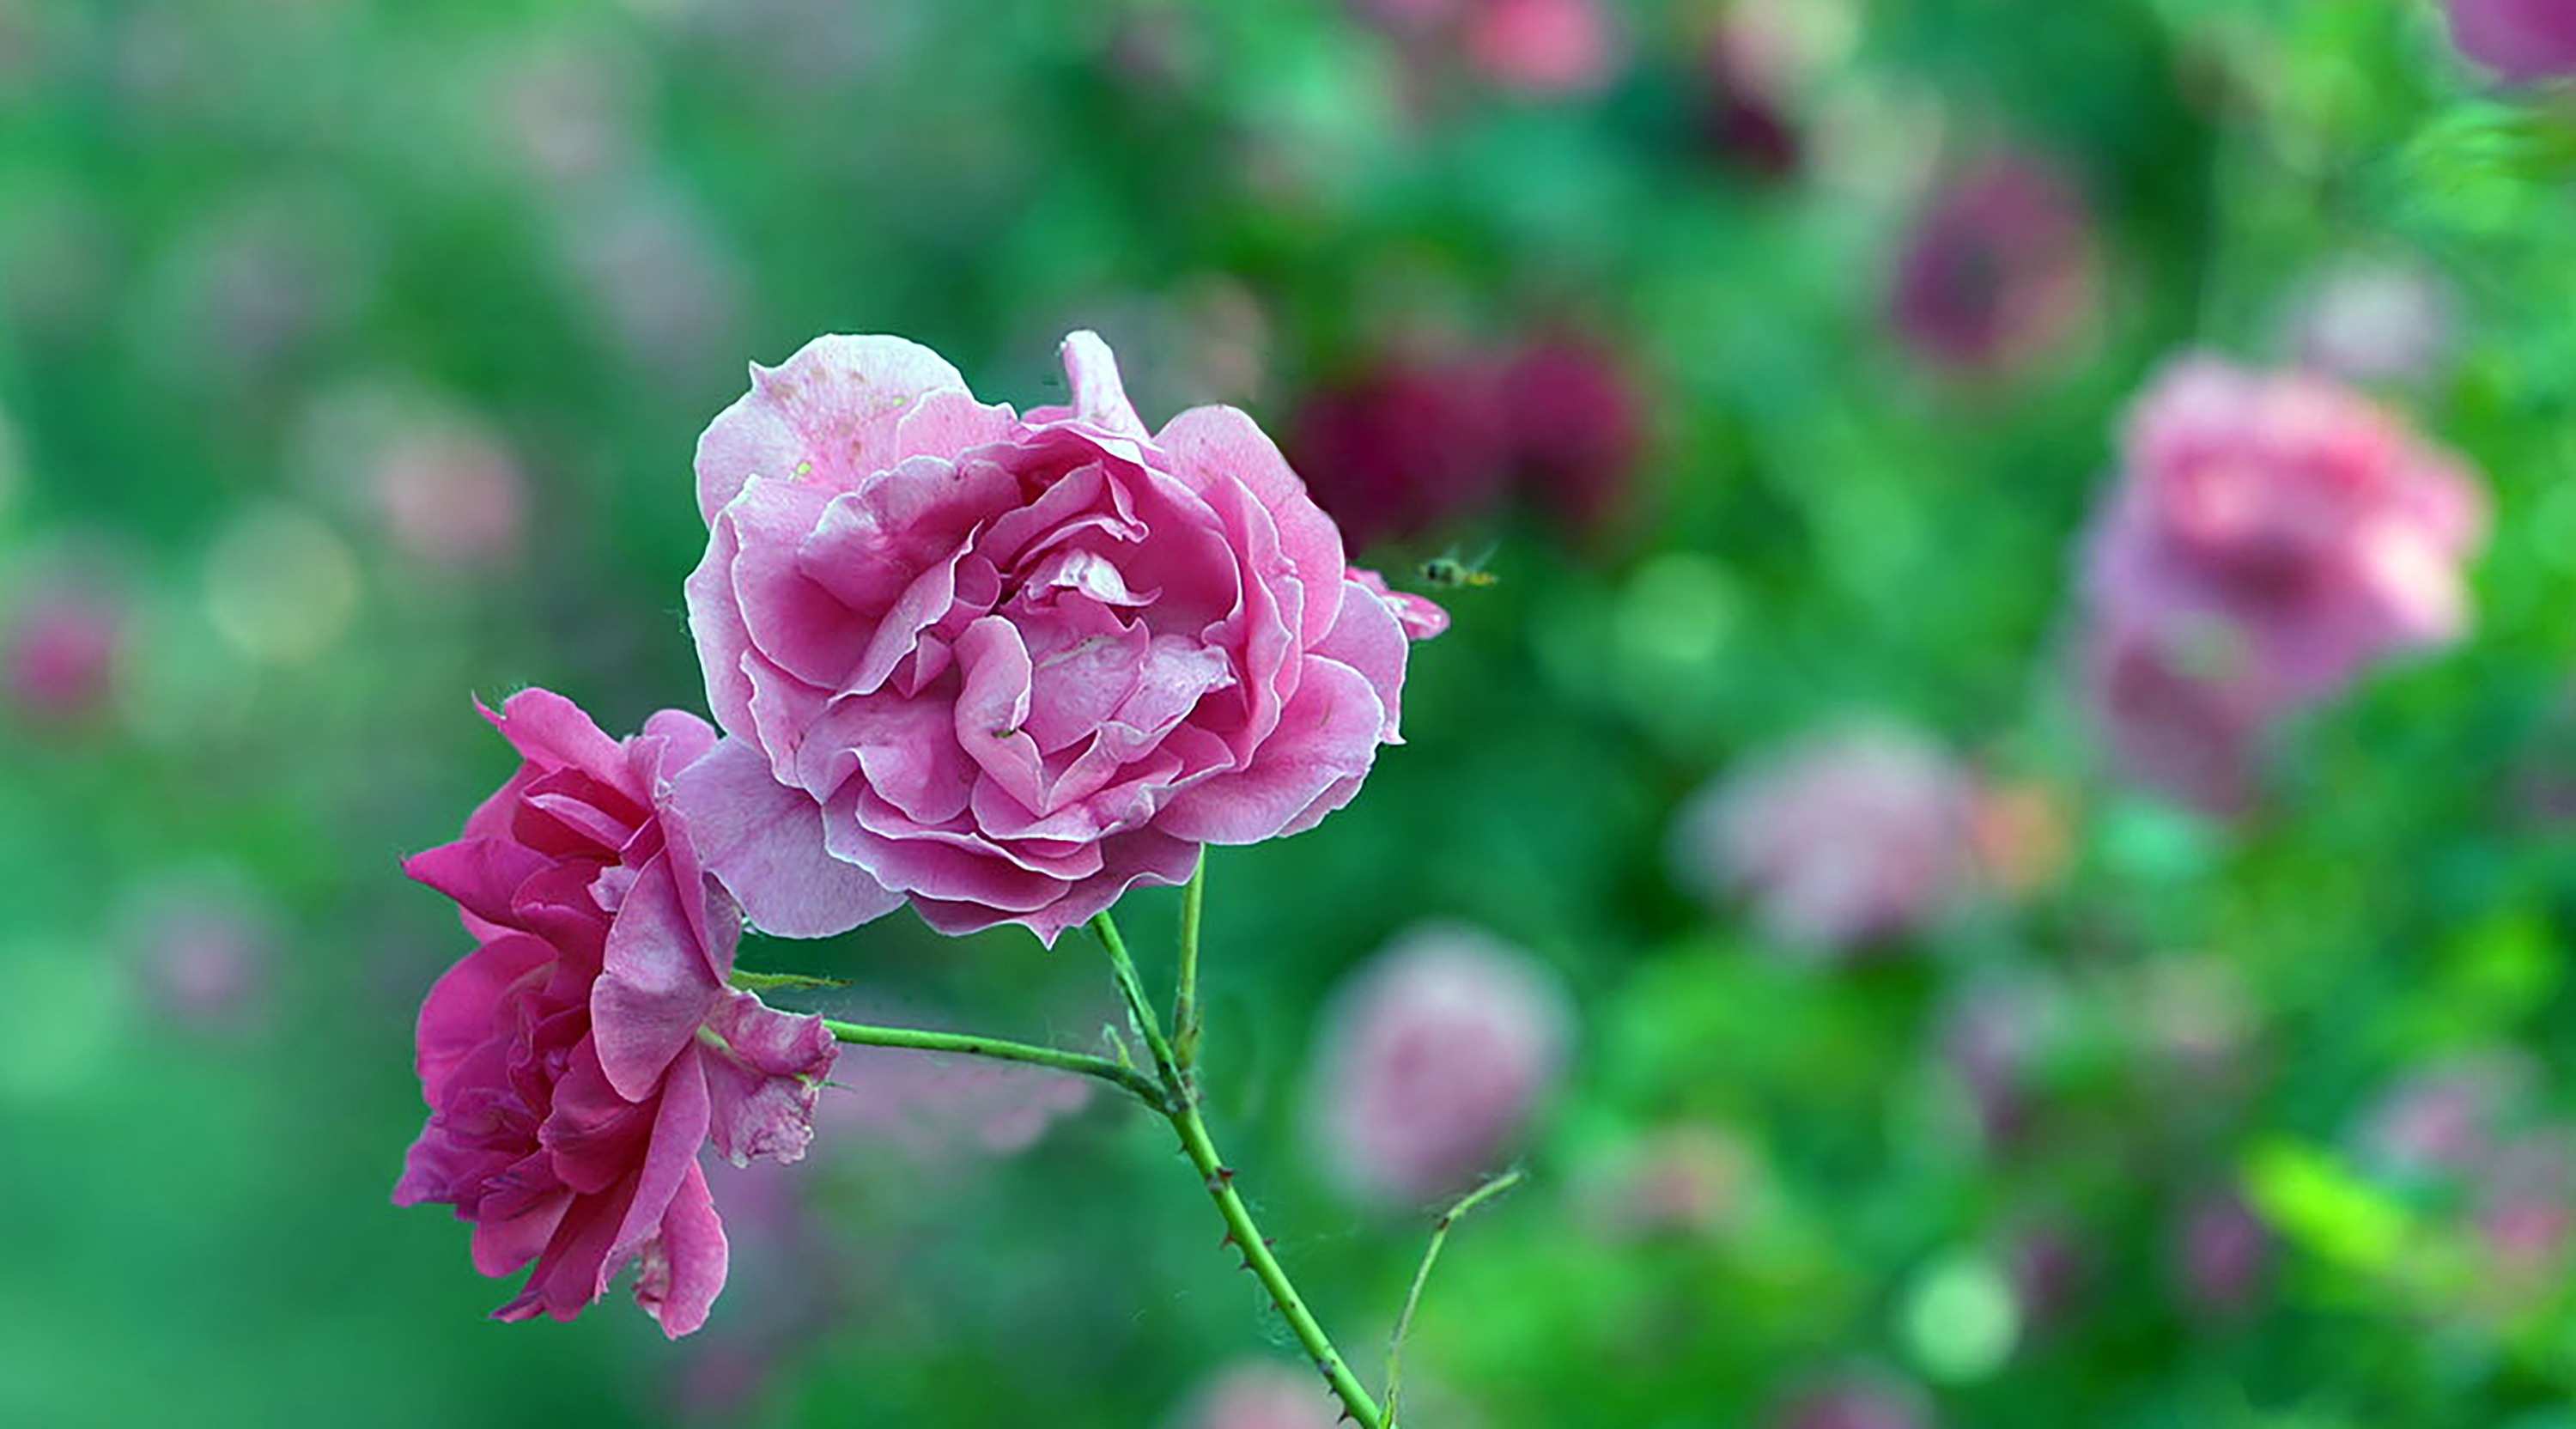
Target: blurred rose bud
{"type": "Point", "coordinates": [1843, 839]}
{"type": "Point", "coordinates": [1993, 1038]}
{"type": "Point", "coordinates": [2526, 1203]}
{"type": "Point", "coordinates": [935, 1108]}
{"type": "Point", "coordinates": [2448, 1116]}
{"type": "Point", "coordinates": [2521, 40]}
{"type": "Point", "coordinates": [2000, 270]}
{"type": "Point", "coordinates": [451, 495]}
{"type": "Point", "coordinates": [1261, 1394]}
{"type": "Point", "coordinates": [2223, 1253]}
{"type": "Point", "coordinates": [205, 947]}
{"type": "Point", "coordinates": [1435, 1058]}
{"type": "Point", "coordinates": [2364, 319]}
{"type": "Point", "coordinates": [61, 637]}
{"type": "Point", "coordinates": [2047, 1268]}
{"type": "Point", "coordinates": [1402, 446]}
{"type": "Point", "coordinates": [1575, 429]}
{"type": "Point", "coordinates": [1687, 1179]}
{"type": "Point", "coordinates": [1859, 1400]}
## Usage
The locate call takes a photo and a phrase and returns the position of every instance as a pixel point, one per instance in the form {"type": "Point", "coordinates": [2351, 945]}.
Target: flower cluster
{"type": "Point", "coordinates": [1001, 667]}
{"type": "Point", "coordinates": [2272, 537]}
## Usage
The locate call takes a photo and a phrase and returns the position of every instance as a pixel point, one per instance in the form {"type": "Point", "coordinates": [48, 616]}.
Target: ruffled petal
{"type": "Point", "coordinates": [764, 842]}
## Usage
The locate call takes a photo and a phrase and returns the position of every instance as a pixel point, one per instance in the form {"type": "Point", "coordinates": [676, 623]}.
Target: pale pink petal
{"type": "Point", "coordinates": [1098, 396]}
{"type": "Point", "coordinates": [828, 415]}
{"type": "Point", "coordinates": [764, 1079]}
{"type": "Point", "coordinates": [764, 842]}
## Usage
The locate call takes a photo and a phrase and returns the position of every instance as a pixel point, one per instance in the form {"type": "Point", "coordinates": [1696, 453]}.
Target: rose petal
{"type": "Point", "coordinates": [829, 414]}
{"type": "Point", "coordinates": [764, 842]}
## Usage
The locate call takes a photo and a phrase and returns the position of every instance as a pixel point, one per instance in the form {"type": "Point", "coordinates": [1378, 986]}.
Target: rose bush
{"type": "Point", "coordinates": [1005, 667]}
{"type": "Point", "coordinates": [580, 1057]}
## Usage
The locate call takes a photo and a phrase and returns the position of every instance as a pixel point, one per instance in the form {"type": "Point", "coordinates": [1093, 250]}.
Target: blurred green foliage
{"type": "Point", "coordinates": [235, 233]}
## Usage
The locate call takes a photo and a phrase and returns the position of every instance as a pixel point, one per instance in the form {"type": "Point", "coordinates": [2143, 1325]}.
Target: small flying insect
{"type": "Point", "coordinates": [1448, 572]}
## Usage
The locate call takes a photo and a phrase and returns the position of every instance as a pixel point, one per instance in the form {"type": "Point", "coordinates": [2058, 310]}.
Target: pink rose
{"type": "Point", "coordinates": [2520, 40]}
{"type": "Point", "coordinates": [1846, 838]}
{"type": "Point", "coordinates": [577, 1060]}
{"type": "Point", "coordinates": [1435, 1058]}
{"type": "Point", "coordinates": [1005, 667]}
{"type": "Point", "coordinates": [2301, 523]}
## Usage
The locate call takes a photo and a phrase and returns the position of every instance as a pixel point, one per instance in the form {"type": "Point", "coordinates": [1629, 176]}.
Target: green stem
{"type": "Point", "coordinates": [1182, 1109]}
{"type": "Point", "coordinates": [1422, 1277]}
{"type": "Point", "coordinates": [1185, 997]}
{"type": "Point", "coordinates": [1136, 1083]}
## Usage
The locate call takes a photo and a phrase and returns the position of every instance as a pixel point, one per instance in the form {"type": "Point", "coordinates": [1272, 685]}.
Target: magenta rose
{"type": "Point", "coordinates": [1005, 667]}
{"type": "Point", "coordinates": [577, 1060]}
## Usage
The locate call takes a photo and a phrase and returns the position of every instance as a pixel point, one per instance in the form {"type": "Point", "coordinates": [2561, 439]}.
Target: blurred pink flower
{"type": "Point", "coordinates": [2521, 40]}
{"type": "Point", "coordinates": [2224, 1252]}
{"type": "Point", "coordinates": [452, 495]}
{"type": "Point", "coordinates": [1007, 667]}
{"type": "Point", "coordinates": [930, 1107]}
{"type": "Point", "coordinates": [205, 947]}
{"type": "Point", "coordinates": [1539, 46]}
{"type": "Point", "coordinates": [64, 636]}
{"type": "Point", "coordinates": [2526, 1203]}
{"type": "Point", "coordinates": [1993, 1038]}
{"type": "Point", "coordinates": [1404, 445]}
{"type": "Point", "coordinates": [1575, 428]}
{"type": "Point", "coordinates": [2000, 270]}
{"type": "Point", "coordinates": [1544, 46]}
{"type": "Point", "coordinates": [1260, 1394]}
{"type": "Point", "coordinates": [1689, 1179]}
{"type": "Point", "coordinates": [578, 1060]}
{"type": "Point", "coordinates": [1860, 1400]}
{"type": "Point", "coordinates": [2447, 1117]}
{"type": "Point", "coordinates": [2048, 1269]}
{"type": "Point", "coordinates": [1844, 838]}
{"type": "Point", "coordinates": [2272, 536]}
{"type": "Point", "coordinates": [2309, 523]}
{"type": "Point", "coordinates": [1434, 1059]}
